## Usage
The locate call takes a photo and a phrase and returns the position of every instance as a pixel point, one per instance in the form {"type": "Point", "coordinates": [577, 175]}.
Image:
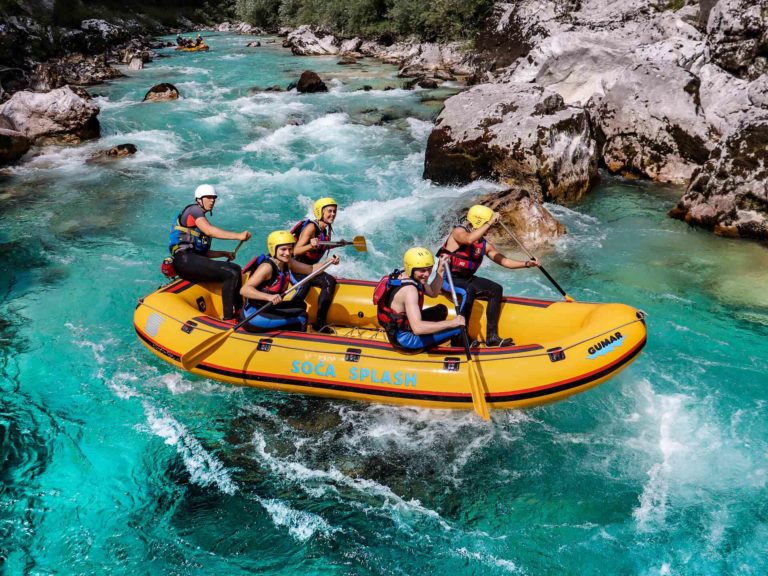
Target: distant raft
{"type": "Point", "coordinates": [201, 48]}
{"type": "Point", "coordinates": [563, 348]}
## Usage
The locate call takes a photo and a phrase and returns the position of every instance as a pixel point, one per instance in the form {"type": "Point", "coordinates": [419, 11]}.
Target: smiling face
{"type": "Point", "coordinates": [421, 275]}
{"type": "Point", "coordinates": [284, 253]}
{"type": "Point", "coordinates": [329, 214]}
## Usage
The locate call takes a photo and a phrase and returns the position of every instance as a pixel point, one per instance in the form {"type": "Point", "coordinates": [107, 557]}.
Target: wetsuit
{"type": "Point", "coordinates": [189, 247]}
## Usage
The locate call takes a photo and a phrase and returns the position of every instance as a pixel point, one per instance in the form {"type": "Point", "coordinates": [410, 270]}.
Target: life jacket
{"type": "Point", "coordinates": [391, 321]}
{"type": "Point", "coordinates": [277, 281]}
{"type": "Point", "coordinates": [316, 254]}
{"type": "Point", "coordinates": [184, 237]}
{"type": "Point", "coordinates": [466, 259]}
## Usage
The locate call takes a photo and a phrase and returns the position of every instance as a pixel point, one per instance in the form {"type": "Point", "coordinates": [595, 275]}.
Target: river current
{"type": "Point", "coordinates": [113, 462]}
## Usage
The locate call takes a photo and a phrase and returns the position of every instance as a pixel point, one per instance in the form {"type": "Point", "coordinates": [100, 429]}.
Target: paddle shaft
{"type": "Point", "coordinates": [448, 277]}
{"type": "Point", "coordinates": [478, 395]}
{"type": "Point", "coordinates": [540, 267]}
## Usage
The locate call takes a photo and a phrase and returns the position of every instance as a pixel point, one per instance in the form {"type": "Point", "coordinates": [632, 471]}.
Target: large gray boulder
{"type": "Point", "coordinates": [737, 36]}
{"type": "Point", "coordinates": [60, 114]}
{"type": "Point", "coordinates": [520, 134]}
{"type": "Point", "coordinates": [308, 41]}
{"type": "Point", "coordinates": [649, 123]}
{"type": "Point", "coordinates": [729, 194]}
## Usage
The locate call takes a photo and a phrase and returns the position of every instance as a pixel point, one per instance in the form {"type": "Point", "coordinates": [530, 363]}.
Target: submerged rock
{"type": "Point", "coordinates": [729, 194]}
{"type": "Point", "coordinates": [161, 93]}
{"type": "Point", "coordinates": [119, 151]}
{"type": "Point", "coordinates": [310, 82]}
{"type": "Point", "coordinates": [521, 134]}
{"type": "Point", "coordinates": [60, 115]}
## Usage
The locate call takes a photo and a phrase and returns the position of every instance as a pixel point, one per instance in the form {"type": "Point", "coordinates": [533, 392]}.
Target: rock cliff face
{"type": "Point", "coordinates": [669, 90]}
{"type": "Point", "coordinates": [520, 134]}
{"type": "Point", "coordinates": [729, 194]}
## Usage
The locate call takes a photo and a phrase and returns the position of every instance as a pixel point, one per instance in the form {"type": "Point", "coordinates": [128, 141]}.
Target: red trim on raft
{"type": "Point", "coordinates": [399, 392]}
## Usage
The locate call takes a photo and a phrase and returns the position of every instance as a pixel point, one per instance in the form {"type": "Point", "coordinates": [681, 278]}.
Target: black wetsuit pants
{"type": "Point", "coordinates": [198, 268]}
{"type": "Point", "coordinates": [472, 288]}
{"type": "Point", "coordinates": [327, 285]}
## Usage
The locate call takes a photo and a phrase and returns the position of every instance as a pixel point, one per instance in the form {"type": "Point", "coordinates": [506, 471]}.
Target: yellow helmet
{"type": "Point", "coordinates": [317, 210]}
{"type": "Point", "coordinates": [278, 238]}
{"type": "Point", "coordinates": [418, 257]}
{"type": "Point", "coordinates": [479, 215]}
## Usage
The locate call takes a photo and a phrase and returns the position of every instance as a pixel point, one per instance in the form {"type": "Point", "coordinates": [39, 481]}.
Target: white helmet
{"type": "Point", "coordinates": [204, 190]}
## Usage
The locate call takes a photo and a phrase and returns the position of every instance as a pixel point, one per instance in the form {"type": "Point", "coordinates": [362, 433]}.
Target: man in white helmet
{"type": "Point", "coordinates": [466, 247]}
{"type": "Point", "coordinates": [190, 246]}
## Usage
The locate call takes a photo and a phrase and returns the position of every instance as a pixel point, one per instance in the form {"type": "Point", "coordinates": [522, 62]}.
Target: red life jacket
{"type": "Point", "coordinates": [466, 259]}
{"type": "Point", "coordinates": [277, 281]}
{"type": "Point", "coordinates": [391, 321]}
{"type": "Point", "coordinates": [314, 255]}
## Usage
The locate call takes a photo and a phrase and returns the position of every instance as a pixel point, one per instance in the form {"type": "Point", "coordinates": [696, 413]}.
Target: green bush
{"type": "Point", "coordinates": [434, 20]}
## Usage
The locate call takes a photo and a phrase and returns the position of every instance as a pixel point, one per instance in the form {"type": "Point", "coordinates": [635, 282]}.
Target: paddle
{"type": "Point", "coordinates": [478, 395]}
{"type": "Point", "coordinates": [234, 252]}
{"type": "Point", "coordinates": [193, 357]}
{"type": "Point", "coordinates": [540, 267]}
{"type": "Point", "coordinates": [358, 242]}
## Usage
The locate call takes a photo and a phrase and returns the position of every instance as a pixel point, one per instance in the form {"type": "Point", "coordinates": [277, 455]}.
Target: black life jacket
{"type": "Point", "coordinates": [391, 321]}
{"type": "Point", "coordinates": [316, 254]}
{"type": "Point", "coordinates": [277, 281]}
{"type": "Point", "coordinates": [466, 259]}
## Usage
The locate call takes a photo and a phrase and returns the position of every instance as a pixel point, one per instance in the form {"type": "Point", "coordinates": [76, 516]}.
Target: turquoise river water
{"type": "Point", "coordinates": [113, 462]}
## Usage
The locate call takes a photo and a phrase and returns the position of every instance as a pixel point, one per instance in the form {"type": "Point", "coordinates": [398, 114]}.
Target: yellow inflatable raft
{"type": "Point", "coordinates": [201, 48]}
{"type": "Point", "coordinates": [562, 348]}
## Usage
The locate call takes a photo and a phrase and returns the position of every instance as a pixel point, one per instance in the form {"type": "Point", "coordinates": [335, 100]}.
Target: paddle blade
{"type": "Point", "coordinates": [359, 243]}
{"type": "Point", "coordinates": [478, 395]}
{"type": "Point", "coordinates": [192, 358]}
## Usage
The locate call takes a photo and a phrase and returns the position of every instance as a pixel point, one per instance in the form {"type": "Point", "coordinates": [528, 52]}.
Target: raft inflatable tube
{"type": "Point", "coordinates": [562, 348]}
{"type": "Point", "coordinates": [201, 48]}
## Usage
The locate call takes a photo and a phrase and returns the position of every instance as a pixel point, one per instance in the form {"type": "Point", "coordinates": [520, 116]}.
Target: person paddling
{"type": "Point", "coordinates": [399, 299]}
{"type": "Point", "coordinates": [190, 246]}
{"type": "Point", "coordinates": [465, 248]}
{"type": "Point", "coordinates": [270, 275]}
{"type": "Point", "coordinates": [308, 233]}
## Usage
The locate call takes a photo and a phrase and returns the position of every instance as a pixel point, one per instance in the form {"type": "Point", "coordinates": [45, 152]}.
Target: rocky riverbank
{"type": "Point", "coordinates": [671, 91]}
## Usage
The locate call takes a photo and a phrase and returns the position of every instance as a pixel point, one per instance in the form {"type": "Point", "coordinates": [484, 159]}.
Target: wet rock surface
{"type": "Point", "coordinates": [310, 83]}
{"type": "Point", "coordinates": [524, 214]}
{"type": "Point", "coordinates": [161, 93]}
{"type": "Point", "coordinates": [13, 145]}
{"type": "Point", "coordinates": [729, 193]}
{"type": "Point", "coordinates": [119, 151]}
